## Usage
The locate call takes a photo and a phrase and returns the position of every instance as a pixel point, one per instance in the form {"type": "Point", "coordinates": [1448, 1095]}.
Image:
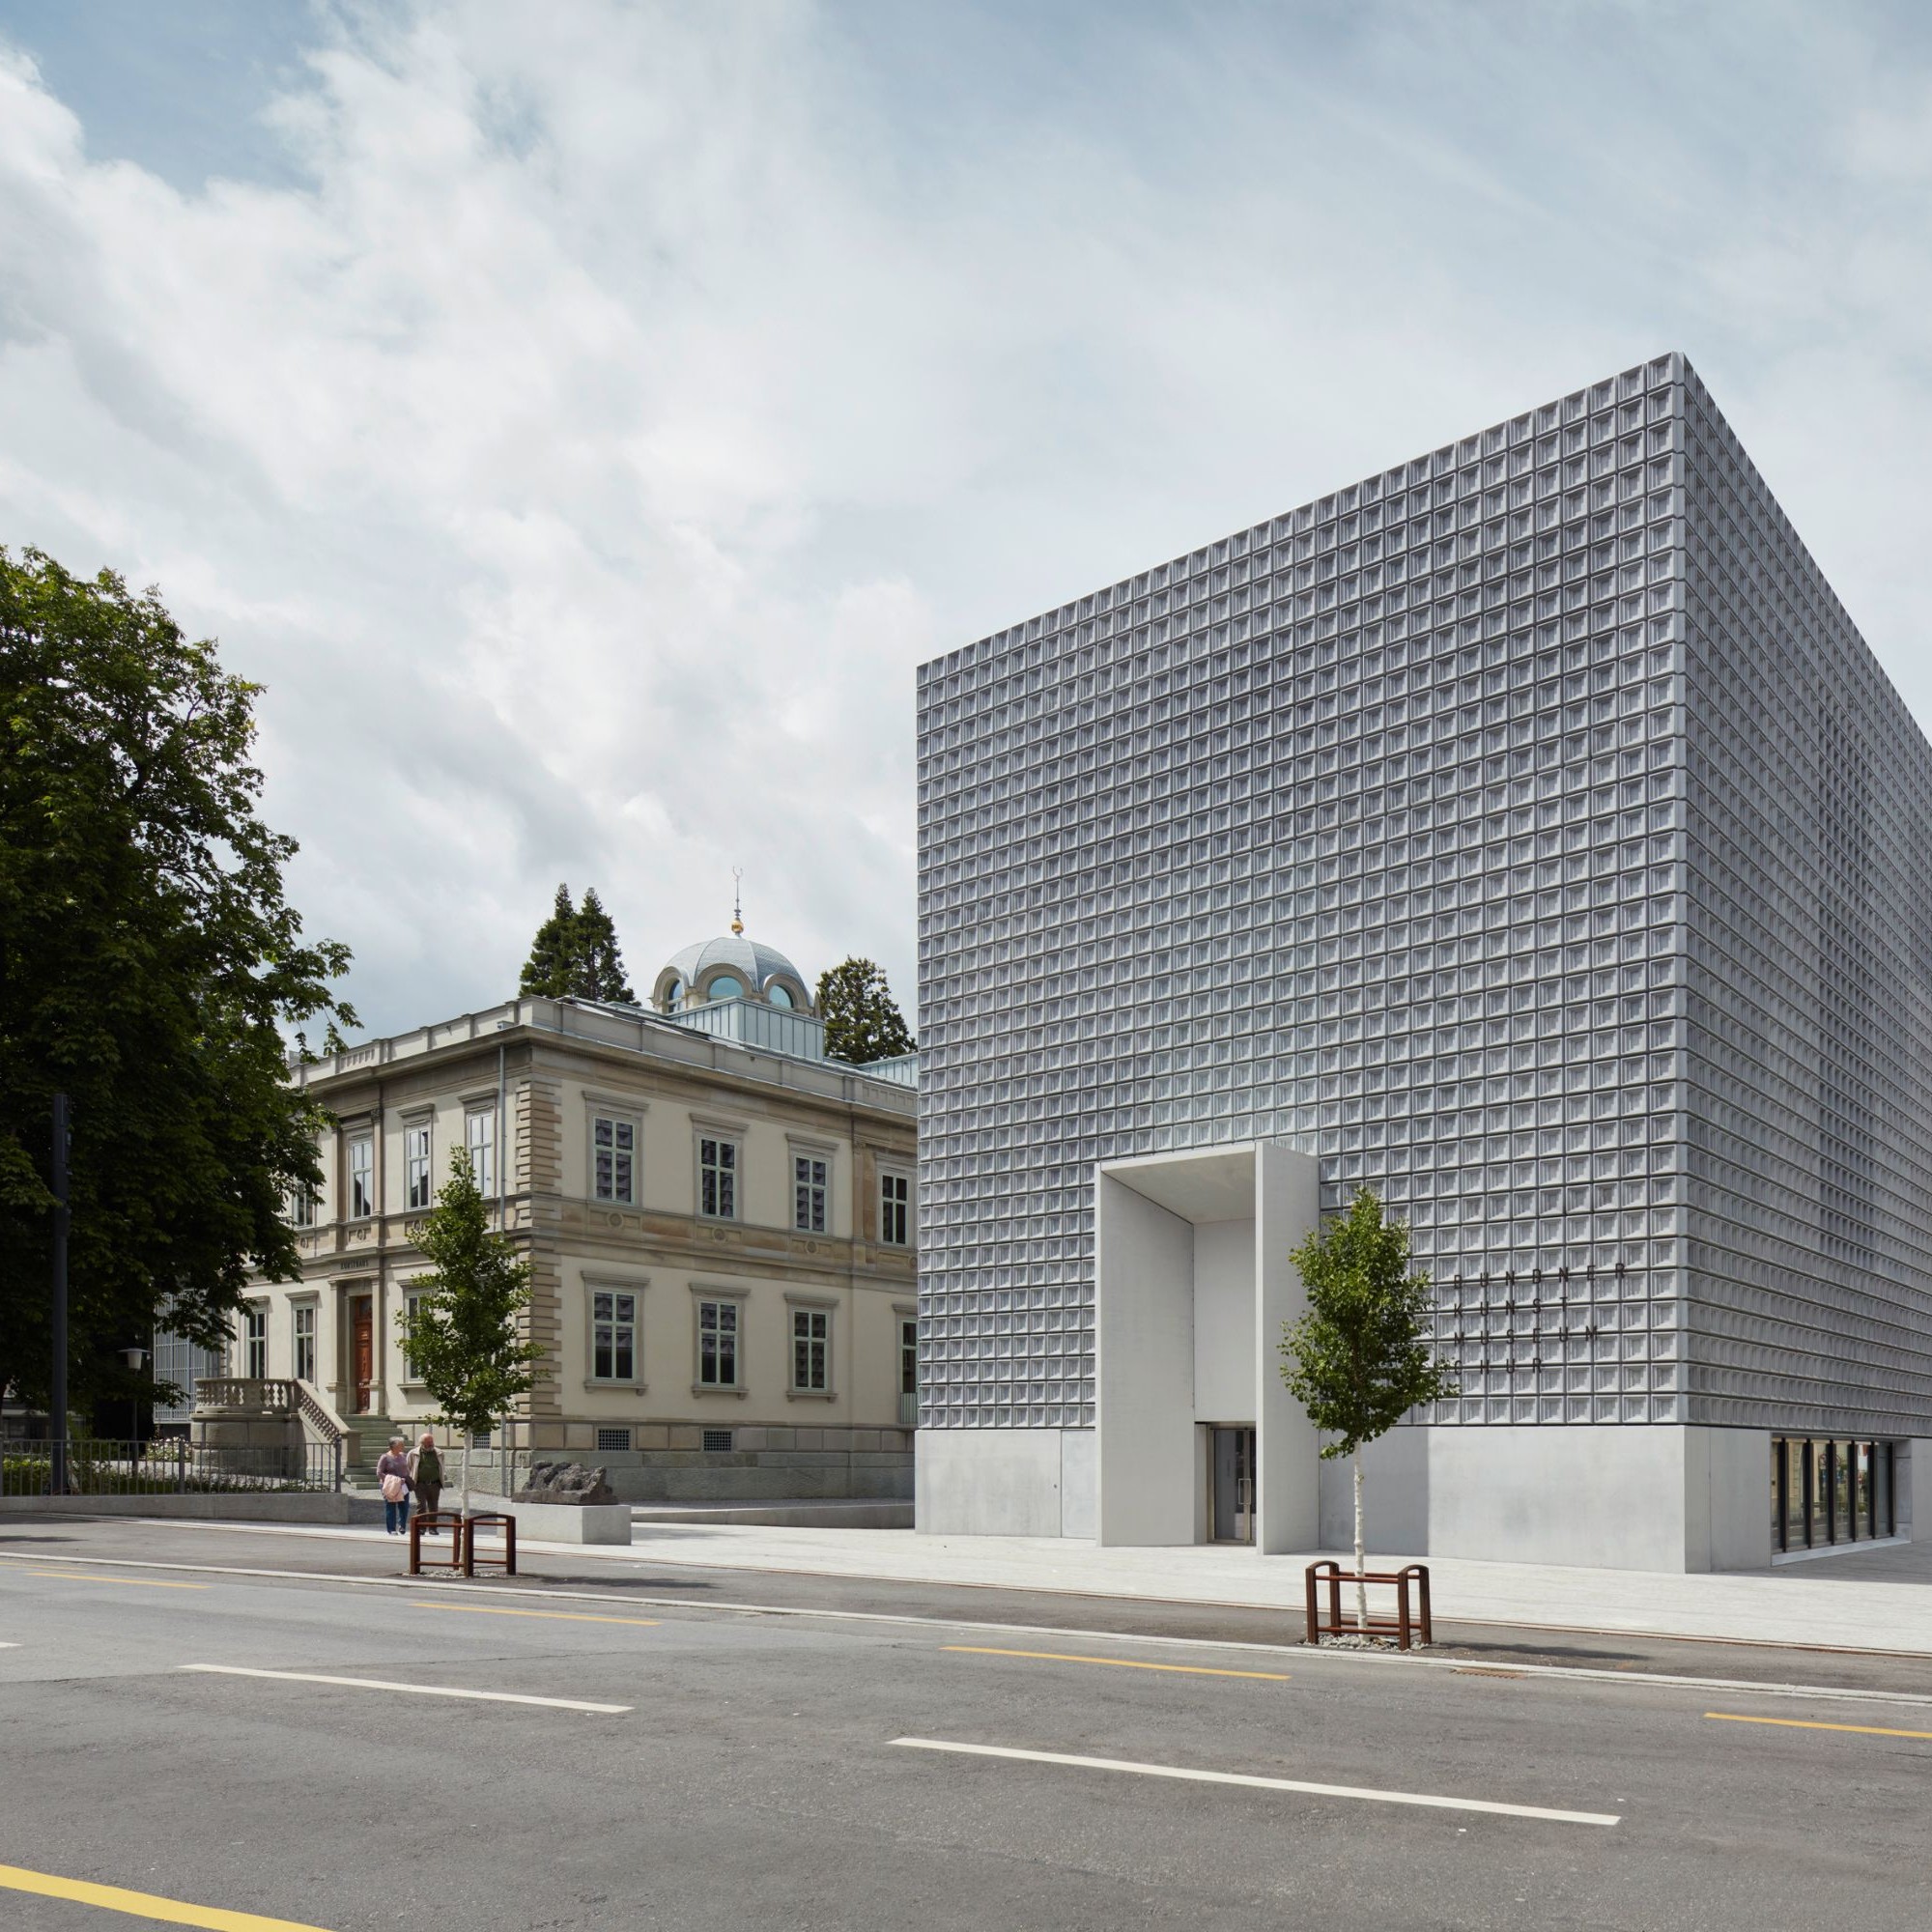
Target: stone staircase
{"type": "Point", "coordinates": [372, 1435]}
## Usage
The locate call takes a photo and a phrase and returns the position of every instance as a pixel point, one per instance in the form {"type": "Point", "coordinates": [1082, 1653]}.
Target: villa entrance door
{"type": "Point", "coordinates": [362, 1350]}
{"type": "Point", "coordinates": [1233, 1485]}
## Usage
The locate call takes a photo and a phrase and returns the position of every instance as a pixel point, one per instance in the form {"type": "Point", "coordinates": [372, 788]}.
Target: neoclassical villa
{"type": "Point", "coordinates": [719, 1218]}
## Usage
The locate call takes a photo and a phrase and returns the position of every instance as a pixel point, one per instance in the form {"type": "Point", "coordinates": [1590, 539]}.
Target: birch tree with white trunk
{"type": "Point", "coordinates": [1361, 1358]}
{"type": "Point", "coordinates": [463, 1338]}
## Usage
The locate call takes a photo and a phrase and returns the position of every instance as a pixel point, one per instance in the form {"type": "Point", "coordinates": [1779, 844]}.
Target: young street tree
{"type": "Point", "coordinates": [461, 1337]}
{"type": "Point", "coordinates": [575, 955]}
{"type": "Point", "coordinates": [149, 962]}
{"type": "Point", "coordinates": [863, 1022]}
{"type": "Point", "coordinates": [1360, 1359]}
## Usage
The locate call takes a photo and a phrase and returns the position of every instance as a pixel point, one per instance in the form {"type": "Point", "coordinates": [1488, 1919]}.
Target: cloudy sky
{"type": "Point", "coordinates": [584, 417]}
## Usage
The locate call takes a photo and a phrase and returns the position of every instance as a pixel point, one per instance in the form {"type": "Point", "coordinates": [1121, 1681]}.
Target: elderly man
{"type": "Point", "coordinates": [426, 1476]}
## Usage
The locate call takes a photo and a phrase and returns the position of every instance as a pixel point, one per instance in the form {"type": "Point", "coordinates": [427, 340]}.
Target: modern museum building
{"type": "Point", "coordinates": [1526, 832]}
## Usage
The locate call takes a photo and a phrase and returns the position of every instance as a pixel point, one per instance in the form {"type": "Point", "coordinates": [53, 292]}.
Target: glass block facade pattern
{"type": "Point", "coordinates": [1401, 827]}
{"type": "Point", "coordinates": [1809, 952]}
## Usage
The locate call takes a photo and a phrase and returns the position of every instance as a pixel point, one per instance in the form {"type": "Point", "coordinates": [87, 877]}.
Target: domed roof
{"type": "Point", "coordinates": [758, 964]}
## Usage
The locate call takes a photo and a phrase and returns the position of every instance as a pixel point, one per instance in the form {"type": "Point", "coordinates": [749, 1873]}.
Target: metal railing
{"type": "Point", "coordinates": [169, 1467]}
{"type": "Point", "coordinates": [615, 1025]}
{"type": "Point", "coordinates": [902, 1069]}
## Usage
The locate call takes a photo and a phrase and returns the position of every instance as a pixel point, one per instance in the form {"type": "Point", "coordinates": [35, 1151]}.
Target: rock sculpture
{"type": "Point", "coordinates": [565, 1483]}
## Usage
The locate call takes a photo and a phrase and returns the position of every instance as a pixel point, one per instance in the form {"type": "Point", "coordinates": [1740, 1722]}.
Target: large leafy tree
{"type": "Point", "coordinates": [149, 963]}
{"type": "Point", "coordinates": [862, 1020]}
{"type": "Point", "coordinates": [576, 955]}
{"type": "Point", "coordinates": [463, 1337]}
{"type": "Point", "coordinates": [1360, 1358]}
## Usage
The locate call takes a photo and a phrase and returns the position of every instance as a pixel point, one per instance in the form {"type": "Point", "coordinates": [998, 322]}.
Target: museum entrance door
{"type": "Point", "coordinates": [363, 1350]}
{"type": "Point", "coordinates": [1233, 1481]}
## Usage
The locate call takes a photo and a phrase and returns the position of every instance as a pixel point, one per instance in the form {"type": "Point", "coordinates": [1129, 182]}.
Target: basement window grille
{"type": "Point", "coordinates": [717, 1438]}
{"type": "Point", "coordinates": [614, 1439]}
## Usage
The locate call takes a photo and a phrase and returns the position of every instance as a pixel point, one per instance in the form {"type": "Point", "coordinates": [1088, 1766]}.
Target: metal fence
{"type": "Point", "coordinates": [168, 1467]}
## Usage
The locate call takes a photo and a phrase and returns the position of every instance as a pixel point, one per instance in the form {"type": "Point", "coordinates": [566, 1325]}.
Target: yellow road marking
{"type": "Point", "coordinates": [1812, 1724]}
{"type": "Point", "coordinates": [1119, 1662]}
{"type": "Point", "coordinates": [145, 1904]}
{"type": "Point", "coordinates": [550, 1616]}
{"type": "Point", "coordinates": [75, 1576]}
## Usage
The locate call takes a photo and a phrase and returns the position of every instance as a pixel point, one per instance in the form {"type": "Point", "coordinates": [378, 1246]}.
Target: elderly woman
{"type": "Point", "coordinates": [426, 1476]}
{"type": "Point", "coordinates": [392, 1473]}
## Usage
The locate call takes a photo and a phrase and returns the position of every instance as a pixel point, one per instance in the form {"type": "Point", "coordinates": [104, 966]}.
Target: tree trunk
{"type": "Point", "coordinates": [1361, 1563]}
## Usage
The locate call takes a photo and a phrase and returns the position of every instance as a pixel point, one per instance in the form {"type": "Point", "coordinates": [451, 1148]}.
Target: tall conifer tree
{"type": "Point", "coordinates": [546, 973]}
{"type": "Point", "coordinates": [599, 963]}
{"type": "Point", "coordinates": [576, 955]}
{"type": "Point", "coordinates": [863, 1021]}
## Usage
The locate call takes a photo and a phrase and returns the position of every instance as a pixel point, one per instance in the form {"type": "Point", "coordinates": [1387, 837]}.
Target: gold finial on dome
{"type": "Point", "coordinates": [738, 900]}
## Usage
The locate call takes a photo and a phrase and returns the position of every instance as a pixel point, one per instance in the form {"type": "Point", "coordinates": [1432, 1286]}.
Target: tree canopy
{"type": "Point", "coordinates": [149, 963]}
{"type": "Point", "coordinates": [576, 955]}
{"type": "Point", "coordinates": [1360, 1358]}
{"type": "Point", "coordinates": [862, 1020]}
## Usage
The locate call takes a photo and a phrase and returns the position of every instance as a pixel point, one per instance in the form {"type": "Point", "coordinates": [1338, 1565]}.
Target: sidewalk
{"type": "Point", "coordinates": [1878, 1600]}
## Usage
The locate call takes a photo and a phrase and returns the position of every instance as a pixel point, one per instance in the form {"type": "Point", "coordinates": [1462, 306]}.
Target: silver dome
{"type": "Point", "coordinates": [754, 964]}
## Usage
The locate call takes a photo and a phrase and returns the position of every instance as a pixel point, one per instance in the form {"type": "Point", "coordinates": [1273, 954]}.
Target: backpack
{"type": "Point", "coordinates": [429, 1468]}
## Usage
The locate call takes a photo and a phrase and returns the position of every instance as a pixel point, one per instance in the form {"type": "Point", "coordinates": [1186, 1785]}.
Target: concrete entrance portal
{"type": "Point", "coordinates": [1193, 1285]}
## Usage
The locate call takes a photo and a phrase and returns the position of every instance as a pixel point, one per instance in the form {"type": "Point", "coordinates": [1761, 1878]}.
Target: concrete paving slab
{"type": "Point", "coordinates": [1879, 1599]}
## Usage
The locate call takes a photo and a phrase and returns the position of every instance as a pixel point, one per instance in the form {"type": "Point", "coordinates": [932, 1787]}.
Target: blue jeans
{"type": "Point", "coordinates": [396, 1516]}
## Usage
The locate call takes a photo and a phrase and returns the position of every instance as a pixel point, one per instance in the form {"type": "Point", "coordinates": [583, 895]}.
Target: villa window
{"type": "Point", "coordinates": [361, 1177]}
{"type": "Point", "coordinates": [725, 987]}
{"type": "Point", "coordinates": [895, 1211]}
{"type": "Point", "coordinates": [255, 1342]}
{"type": "Point", "coordinates": [613, 1155]}
{"type": "Point", "coordinates": [718, 1344]}
{"type": "Point", "coordinates": [479, 1140]}
{"type": "Point", "coordinates": [303, 1326]}
{"type": "Point", "coordinates": [416, 1166]}
{"type": "Point", "coordinates": [412, 1322]}
{"type": "Point", "coordinates": [717, 1177]}
{"type": "Point", "coordinates": [812, 1179]}
{"type": "Point", "coordinates": [613, 1336]}
{"type": "Point", "coordinates": [811, 1350]}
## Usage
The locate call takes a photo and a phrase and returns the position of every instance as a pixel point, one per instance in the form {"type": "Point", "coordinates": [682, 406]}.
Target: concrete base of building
{"type": "Point", "coordinates": [1005, 1482]}
{"type": "Point", "coordinates": [871, 1515]}
{"type": "Point", "coordinates": [1610, 1497]}
{"type": "Point", "coordinates": [317, 1506]}
{"type": "Point", "coordinates": [755, 1475]}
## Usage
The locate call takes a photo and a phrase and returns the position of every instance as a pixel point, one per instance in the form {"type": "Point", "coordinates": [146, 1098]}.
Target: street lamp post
{"type": "Point", "coordinates": [57, 1462]}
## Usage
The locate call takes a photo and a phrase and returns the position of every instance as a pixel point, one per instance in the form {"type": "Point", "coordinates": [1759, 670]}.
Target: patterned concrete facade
{"type": "Point", "coordinates": [1525, 832]}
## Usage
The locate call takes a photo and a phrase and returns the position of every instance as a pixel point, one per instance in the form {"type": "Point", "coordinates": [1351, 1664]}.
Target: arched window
{"type": "Point", "coordinates": [724, 988]}
{"type": "Point", "coordinates": [673, 996]}
{"type": "Point", "coordinates": [779, 996]}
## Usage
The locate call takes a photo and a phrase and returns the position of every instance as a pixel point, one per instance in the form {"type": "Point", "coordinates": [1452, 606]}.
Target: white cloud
{"type": "Point", "coordinates": [625, 398]}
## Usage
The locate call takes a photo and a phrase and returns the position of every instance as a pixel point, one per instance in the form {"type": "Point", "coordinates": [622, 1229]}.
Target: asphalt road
{"type": "Point", "coordinates": [758, 1773]}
